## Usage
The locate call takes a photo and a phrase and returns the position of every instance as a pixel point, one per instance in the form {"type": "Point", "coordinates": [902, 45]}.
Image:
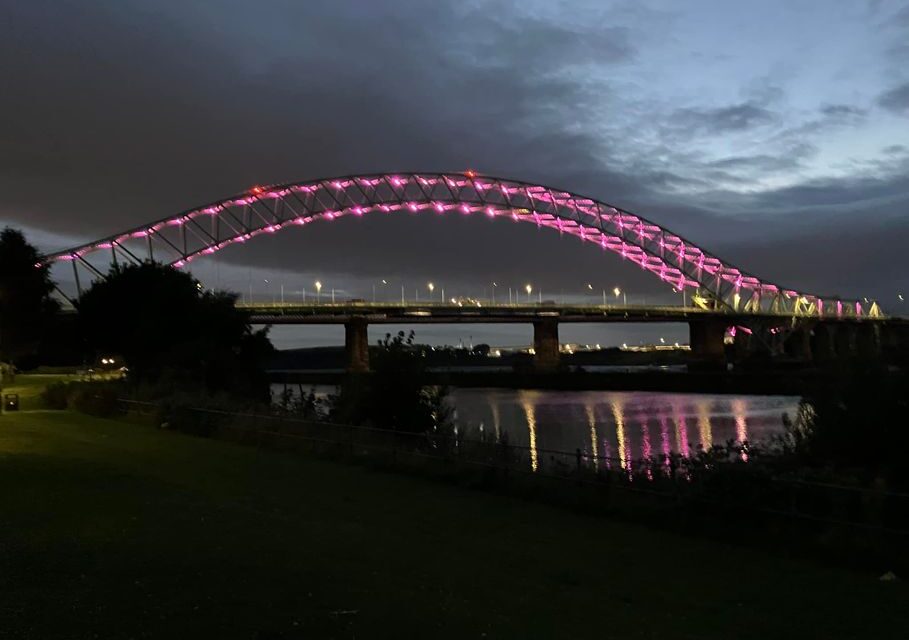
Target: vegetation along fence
{"type": "Point", "coordinates": [717, 480]}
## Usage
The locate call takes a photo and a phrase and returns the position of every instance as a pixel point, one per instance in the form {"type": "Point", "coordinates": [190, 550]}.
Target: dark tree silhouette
{"type": "Point", "coordinates": [481, 349]}
{"type": "Point", "coordinates": [395, 394]}
{"type": "Point", "coordinates": [858, 423]}
{"type": "Point", "coordinates": [26, 306]}
{"type": "Point", "coordinates": [172, 334]}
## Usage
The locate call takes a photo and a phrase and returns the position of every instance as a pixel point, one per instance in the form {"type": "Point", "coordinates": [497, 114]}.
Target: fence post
{"type": "Point", "coordinates": [394, 446]}
{"type": "Point", "coordinates": [506, 462]}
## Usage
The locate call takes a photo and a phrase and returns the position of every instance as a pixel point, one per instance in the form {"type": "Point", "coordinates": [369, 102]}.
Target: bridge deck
{"type": "Point", "coordinates": [440, 313]}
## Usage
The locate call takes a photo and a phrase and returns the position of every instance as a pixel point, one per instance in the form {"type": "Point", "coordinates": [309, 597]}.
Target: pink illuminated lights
{"type": "Point", "coordinates": [652, 248]}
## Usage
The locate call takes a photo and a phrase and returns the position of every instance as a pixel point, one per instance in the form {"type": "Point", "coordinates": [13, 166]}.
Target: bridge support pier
{"type": "Point", "coordinates": [823, 349]}
{"type": "Point", "coordinates": [894, 335]}
{"type": "Point", "coordinates": [546, 345]}
{"type": "Point", "coordinates": [798, 344]}
{"type": "Point", "coordinates": [708, 349]}
{"type": "Point", "coordinates": [868, 342]}
{"type": "Point", "coordinates": [844, 341]}
{"type": "Point", "coordinates": [356, 345]}
{"type": "Point", "coordinates": [894, 343]}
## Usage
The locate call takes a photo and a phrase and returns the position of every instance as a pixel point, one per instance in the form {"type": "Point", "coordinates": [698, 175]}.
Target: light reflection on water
{"type": "Point", "coordinates": [619, 419]}
{"type": "Point", "coordinates": [705, 429]}
{"type": "Point", "coordinates": [612, 427]}
{"type": "Point", "coordinates": [530, 416]}
{"type": "Point", "coordinates": [592, 423]}
{"type": "Point", "coordinates": [625, 426]}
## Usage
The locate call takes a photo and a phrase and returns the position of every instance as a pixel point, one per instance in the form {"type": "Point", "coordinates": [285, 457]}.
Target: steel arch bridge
{"type": "Point", "coordinates": [717, 285]}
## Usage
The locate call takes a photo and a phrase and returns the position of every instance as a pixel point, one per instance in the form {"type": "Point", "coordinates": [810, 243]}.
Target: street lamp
{"type": "Point", "coordinates": [318, 291]}
{"type": "Point", "coordinates": [384, 281]}
{"type": "Point", "coordinates": [618, 291]}
{"type": "Point", "coordinates": [528, 289]}
{"type": "Point", "coordinates": [431, 288]}
{"type": "Point", "coordinates": [268, 289]}
{"type": "Point", "coordinates": [494, 285]}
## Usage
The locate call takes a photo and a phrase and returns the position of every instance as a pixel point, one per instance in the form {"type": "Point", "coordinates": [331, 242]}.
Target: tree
{"type": "Point", "coordinates": [394, 395]}
{"type": "Point", "coordinates": [481, 350]}
{"type": "Point", "coordinates": [857, 422]}
{"type": "Point", "coordinates": [26, 305]}
{"type": "Point", "coordinates": [172, 334]}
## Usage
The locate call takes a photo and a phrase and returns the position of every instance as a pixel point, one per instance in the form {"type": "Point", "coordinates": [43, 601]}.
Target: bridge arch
{"type": "Point", "coordinates": [200, 231]}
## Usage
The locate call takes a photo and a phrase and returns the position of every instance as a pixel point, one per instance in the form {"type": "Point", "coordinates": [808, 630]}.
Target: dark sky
{"type": "Point", "coordinates": [775, 134]}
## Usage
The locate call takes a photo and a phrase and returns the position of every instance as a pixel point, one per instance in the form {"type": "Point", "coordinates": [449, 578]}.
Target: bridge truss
{"type": "Point", "coordinates": [178, 240]}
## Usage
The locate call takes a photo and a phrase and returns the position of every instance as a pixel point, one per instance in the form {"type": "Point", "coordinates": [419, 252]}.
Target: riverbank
{"type": "Point", "coordinates": [118, 529]}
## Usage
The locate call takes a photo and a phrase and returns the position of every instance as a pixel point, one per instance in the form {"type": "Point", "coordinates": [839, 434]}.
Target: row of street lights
{"type": "Point", "coordinates": [513, 293]}
{"type": "Point", "coordinates": [513, 297]}
{"type": "Point", "coordinates": [616, 292]}
{"type": "Point", "coordinates": [431, 287]}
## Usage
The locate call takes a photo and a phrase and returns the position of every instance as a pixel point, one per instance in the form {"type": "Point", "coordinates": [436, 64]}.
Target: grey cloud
{"type": "Point", "coordinates": [843, 111]}
{"type": "Point", "coordinates": [862, 257]}
{"type": "Point", "coordinates": [900, 18]}
{"type": "Point", "coordinates": [201, 120]}
{"type": "Point", "coordinates": [896, 99]}
{"type": "Point", "coordinates": [885, 184]}
{"type": "Point", "coordinates": [113, 116]}
{"type": "Point", "coordinates": [800, 141]}
{"type": "Point", "coordinates": [732, 118]}
{"type": "Point", "coordinates": [760, 162]}
{"type": "Point", "coordinates": [899, 52]}
{"type": "Point", "coordinates": [897, 25]}
{"type": "Point", "coordinates": [764, 91]}
{"type": "Point", "coordinates": [539, 45]}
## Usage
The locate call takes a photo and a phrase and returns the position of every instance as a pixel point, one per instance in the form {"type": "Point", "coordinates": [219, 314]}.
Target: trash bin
{"type": "Point", "coordinates": [11, 402]}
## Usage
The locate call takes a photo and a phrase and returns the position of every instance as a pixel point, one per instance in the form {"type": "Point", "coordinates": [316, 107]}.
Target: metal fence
{"type": "Point", "coordinates": [730, 487]}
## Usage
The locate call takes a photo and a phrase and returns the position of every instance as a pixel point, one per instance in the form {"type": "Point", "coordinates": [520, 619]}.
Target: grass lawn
{"type": "Point", "coordinates": [29, 387]}
{"type": "Point", "coordinates": [113, 530]}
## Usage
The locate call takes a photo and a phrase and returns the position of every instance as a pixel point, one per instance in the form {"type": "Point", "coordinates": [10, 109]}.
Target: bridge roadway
{"type": "Point", "coordinates": [446, 313]}
{"type": "Point", "coordinates": [808, 338]}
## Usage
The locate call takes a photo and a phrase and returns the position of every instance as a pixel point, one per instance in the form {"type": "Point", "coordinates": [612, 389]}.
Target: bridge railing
{"type": "Point", "coordinates": [488, 307]}
{"type": "Point", "coordinates": [343, 304]}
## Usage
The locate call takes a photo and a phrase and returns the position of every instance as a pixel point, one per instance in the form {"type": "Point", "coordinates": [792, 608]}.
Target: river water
{"type": "Point", "coordinates": [623, 426]}
{"type": "Point", "coordinates": [620, 425]}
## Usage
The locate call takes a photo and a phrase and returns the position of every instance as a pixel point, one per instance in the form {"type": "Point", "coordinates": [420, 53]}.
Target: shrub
{"type": "Point", "coordinates": [96, 399]}
{"type": "Point", "coordinates": [395, 395]}
{"type": "Point", "coordinates": [93, 398]}
{"type": "Point", "coordinates": [54, 395]}
{"type": "Point", "coordinates": [857, 424]}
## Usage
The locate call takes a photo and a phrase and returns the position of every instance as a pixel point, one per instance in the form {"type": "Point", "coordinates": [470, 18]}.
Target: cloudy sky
{"type": "Point", "coordinates": [774, 133]}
